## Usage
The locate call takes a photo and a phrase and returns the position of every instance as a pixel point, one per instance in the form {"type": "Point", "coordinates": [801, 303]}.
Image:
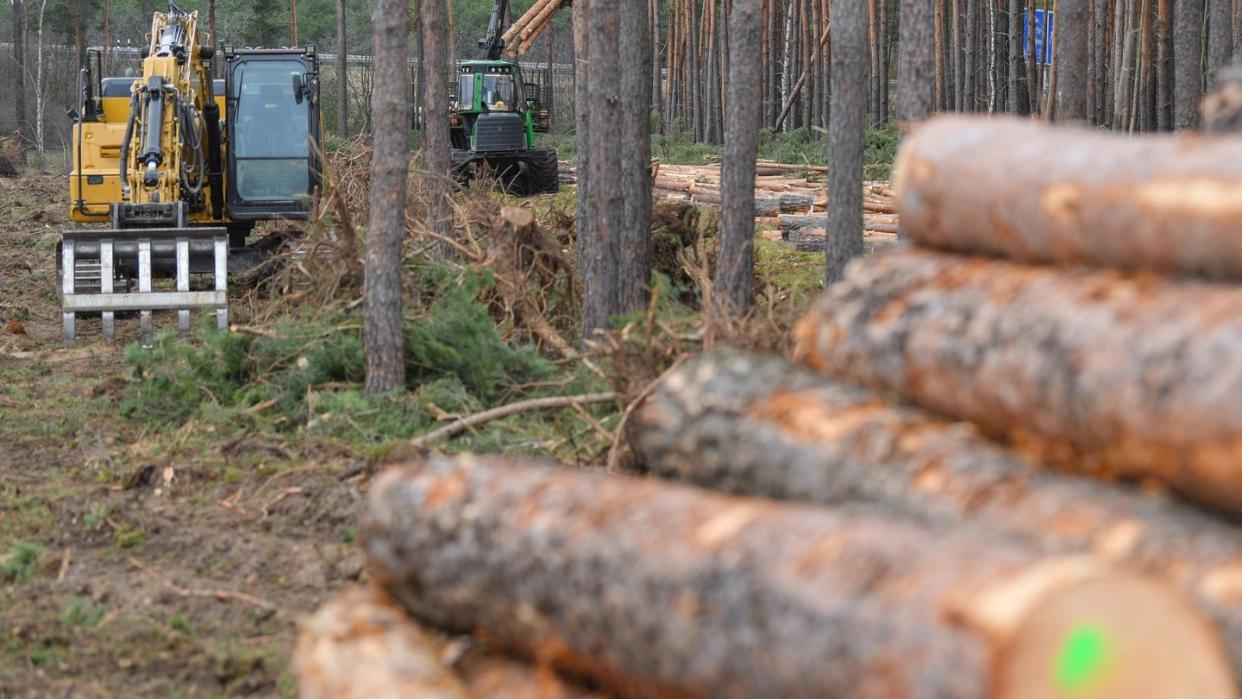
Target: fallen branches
{"type": "Point", "coordinates": [1097, 371]}
{"type": "Point", "coordinates": [660, 590]}
{"type": "Point", "coordinates": [1025, 191]}
{"type": "Point", "coordinates": [458, 426]}
{"type": "Point", "coordinates": [210, 594]}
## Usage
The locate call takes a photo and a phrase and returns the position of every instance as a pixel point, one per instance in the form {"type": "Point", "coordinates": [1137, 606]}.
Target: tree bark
{"type": "Point", "coordinates": [383, 326]}
{"type": "Point", "coordinates": [916, 93]}
{"type": "Point", "coordinates": [437, 145]}
{"type": "Point", "coordinates": [600, 238]}
{"type": "Point", "coordinates": [19, 76]}
{"type": "Point", "coordinates": [1187, 62]}
{"type": "Point", "coordinates": [735, 281]}
{"type": "Point", "coordinates": [846, 135]}
{"type": "Point", "coordinates": [1164, 67]}
{"type": "Point", "coordinates": [1220, 37]}
{"type": "Point", "coordinates": [758, 426]}
{"type": "Point", "coordinates": [636, 71]}
{"type": "Point", "coordinates": [1019, 92]}
{"type": "Point", "coordinates": [656, 589]}
{"type": "Point", "coordinates": [363, 645]}
{"type": "Point", "coordinates": [1163, 203]}
{"type": "Point", "coordinates": [1097, 371]}
{"type": "Point", "coordinates": [1073, 47]}
{"type": "Point", "coordinates": [342, 72]}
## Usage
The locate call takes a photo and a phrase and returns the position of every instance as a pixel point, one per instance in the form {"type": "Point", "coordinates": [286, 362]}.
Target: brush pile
{"type": "Point", "coordinates": [938, 500]}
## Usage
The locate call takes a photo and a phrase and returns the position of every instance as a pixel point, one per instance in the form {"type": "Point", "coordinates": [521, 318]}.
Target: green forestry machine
{"type": "Point", "coordinates": [495, 118]}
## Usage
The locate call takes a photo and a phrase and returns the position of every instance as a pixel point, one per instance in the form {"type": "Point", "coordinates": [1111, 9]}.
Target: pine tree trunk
{"type": "Point", "coordinates": [1099, 17]}
{"type": "Point", "coordinates": [846, 135]}
{"type": "Point", "coordinates": [758, 426]}
{"type": "Point", "coordinates": [657, 92]}
{"type": "Point", "coordinates": [1187, 63]}
{"type": "Point", "coordinates": [970, 89]}
{"type": "Point", "coordinates": [1220, 37]}
{"type": "Point", "coordinates": [107, 37]}
{"type": "Point", "coordinates": [1019, 93]}
{"type": "Point", "coordinates": [734, 282]}
{"type": "Point", "coordinates": [659, 590]}
{"type": "Point", "coordinates": [437, 146]}
{"type": "Point", "coordinates": [916, 70]}
{"type": "Point", "coordinates": [600, 238]}
{"type": "Point", "coordinates": [342, 72]}
{"type": "Point", "coordinates": [636, 79]}
{"type": "Point", "coordinates": [19, 76]}
{"type": "Point", "coordinates": [1164, 67]}
{"type": "Point", "coordinates": [1072, 46]}
{"type": "Point", "coordinates": [383, 327]}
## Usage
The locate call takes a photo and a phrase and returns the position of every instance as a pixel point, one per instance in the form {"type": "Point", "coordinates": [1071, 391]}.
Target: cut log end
{"type": "Point", "coordinates": [1085, 640]}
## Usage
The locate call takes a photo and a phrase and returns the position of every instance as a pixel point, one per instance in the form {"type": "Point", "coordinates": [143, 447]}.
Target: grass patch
{"type": "Point", "coordinates": [18, 564]}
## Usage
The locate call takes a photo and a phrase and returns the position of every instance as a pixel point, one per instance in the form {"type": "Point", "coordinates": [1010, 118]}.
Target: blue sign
{"type": "Point", "coordinates": [1045, 32]}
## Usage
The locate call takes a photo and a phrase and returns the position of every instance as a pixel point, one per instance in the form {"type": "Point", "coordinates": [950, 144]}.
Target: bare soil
{"type": "Point", "coordinates": [167, 562]}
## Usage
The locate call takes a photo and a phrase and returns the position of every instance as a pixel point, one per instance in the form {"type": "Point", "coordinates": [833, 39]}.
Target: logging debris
{"type": "Point", "coordinates": [657, 589]}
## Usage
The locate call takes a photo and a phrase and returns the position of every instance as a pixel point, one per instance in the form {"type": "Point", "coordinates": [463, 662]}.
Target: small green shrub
{"type": "Point", "coordinates": [19, 563]}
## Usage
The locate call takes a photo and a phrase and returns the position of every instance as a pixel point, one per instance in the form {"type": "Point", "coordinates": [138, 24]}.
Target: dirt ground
{"type": "Point", "coordinates": [141, 562]}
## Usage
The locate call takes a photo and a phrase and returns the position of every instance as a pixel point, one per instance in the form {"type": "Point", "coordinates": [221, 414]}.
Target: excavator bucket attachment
{"type": "Point", "coordinates": [92, 262]}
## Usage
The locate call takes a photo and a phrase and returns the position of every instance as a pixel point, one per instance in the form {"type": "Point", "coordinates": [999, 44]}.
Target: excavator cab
{"type": "Point", "coordinates": [273, 131]}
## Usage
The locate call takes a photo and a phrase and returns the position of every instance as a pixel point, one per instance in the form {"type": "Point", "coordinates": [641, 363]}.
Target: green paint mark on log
{"type": "Point", "coordinates": [1082, 659]}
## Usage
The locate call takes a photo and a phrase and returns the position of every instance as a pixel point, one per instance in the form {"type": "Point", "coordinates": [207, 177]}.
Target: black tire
{"type": "Point", "coordinates": [543, 172]}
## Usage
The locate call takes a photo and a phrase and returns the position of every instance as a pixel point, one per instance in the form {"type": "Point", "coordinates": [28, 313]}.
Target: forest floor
{"type": "Point", "coordinates": [167, 516]}
{"type": "Point", "coordinates": [122, 545]}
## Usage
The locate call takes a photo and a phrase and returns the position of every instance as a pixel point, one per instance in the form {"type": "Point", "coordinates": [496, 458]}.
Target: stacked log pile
{"type": "Point", "coordinates": [787, 198]}
{"type": "Point", "coordinates": [926, 507]}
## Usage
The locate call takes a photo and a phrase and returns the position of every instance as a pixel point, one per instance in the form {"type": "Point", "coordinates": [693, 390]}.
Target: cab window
{"type": "Point", "coordinates": [271, 147]}
{"type": "Point", "coordinates": [498, 93]}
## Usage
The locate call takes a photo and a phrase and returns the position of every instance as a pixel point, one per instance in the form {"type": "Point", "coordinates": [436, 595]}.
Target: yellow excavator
{"type": "Point", "coordinates": [180, 166]}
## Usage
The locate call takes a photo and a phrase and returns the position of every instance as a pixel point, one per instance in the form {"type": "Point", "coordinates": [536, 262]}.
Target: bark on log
{"type": "Point", "coordinates": [363, 645]}
{"type": "Point", "coordinates": [662, 590]}
{"type": "Point", "coordinates": [1118, 374]}
{"type": "Point", "coordinates": [758, 426]}
{"type": "Point", "coordinates": [1012, 188]}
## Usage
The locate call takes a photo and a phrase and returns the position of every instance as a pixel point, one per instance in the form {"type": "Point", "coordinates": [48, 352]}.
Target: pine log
{"type": "Point", "coordinates": [1013, 188]}
{"type": "Point", "coordinates": [759, 426]}
{"type": "Point", "coordinates": [1107, 372]}
{"type": "Point", "coordinates": [660, 590]}
{"type": "Point", "coordinates": [363, 644]}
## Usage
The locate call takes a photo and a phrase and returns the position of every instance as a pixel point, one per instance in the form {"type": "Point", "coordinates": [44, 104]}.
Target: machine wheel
{"type": "Point", "coordinates": [543, 172]}
{"type": "Point", "coordinates": [462, 170]}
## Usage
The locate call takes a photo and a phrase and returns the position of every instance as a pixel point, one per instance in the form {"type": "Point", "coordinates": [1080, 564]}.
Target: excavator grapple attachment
{"type": "Point", "coordinates": [92, 262]}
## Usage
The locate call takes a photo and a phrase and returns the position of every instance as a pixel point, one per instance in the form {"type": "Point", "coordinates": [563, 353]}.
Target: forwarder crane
{"type": "Point", "coordinates": [180, 167]}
